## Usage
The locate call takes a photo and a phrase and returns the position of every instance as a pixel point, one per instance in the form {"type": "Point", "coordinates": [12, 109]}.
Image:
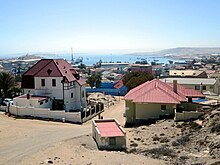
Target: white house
{"type": "Point", "coordinates": [57, 80]}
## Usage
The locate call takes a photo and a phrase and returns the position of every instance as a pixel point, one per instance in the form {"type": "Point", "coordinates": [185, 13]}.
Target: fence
{"type": "Point", "coordinates": [92, 112]}
{"type": "Point", "coordinates": [74, 117]}
{"type": "Point", "coordinates": [4, 108]}
{"type": "Point", "coordinates": [187, 115]}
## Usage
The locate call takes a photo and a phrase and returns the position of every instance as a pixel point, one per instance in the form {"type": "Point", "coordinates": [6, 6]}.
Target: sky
{"type": "Point", "coordinates": [107, 26]}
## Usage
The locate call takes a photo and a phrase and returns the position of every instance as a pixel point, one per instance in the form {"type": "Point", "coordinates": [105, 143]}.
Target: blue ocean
{"type": "Point", "coordinates": [90, 59]}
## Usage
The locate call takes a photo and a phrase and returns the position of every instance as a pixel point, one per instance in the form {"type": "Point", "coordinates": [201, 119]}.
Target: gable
{"type": "Point", "coordinates": [50, 70]}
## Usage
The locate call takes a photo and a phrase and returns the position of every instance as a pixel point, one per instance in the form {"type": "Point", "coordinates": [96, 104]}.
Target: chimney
{"type": "Point", "coordinates": [175, 86]}
{"type": "Point", "coordinates": [200, 88]}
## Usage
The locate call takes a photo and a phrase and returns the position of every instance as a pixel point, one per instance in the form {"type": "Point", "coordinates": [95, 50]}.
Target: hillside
{"type": "Point", "coordinates": [183, 51]}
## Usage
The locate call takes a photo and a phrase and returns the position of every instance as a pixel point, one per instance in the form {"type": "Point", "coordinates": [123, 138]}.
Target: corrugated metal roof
{"type": "Point", "coordinates": [156, 91]}
{"type": "Point", "coordinates": [52, 68]}
{"type": "Point", "coordinates": [109, 129]}
{"type": "Point", "coordinates": [187, 92]}
{"type": "Point", "coordinates": [196, 81]}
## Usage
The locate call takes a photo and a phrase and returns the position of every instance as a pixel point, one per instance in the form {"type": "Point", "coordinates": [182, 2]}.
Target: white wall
{"type": "Point", "coordinates": [77, 101]}
{"type": "Point", "coordinates": [46, 113]}
{"type": "Point", "coordinates": [23, 102]}
{"type": "Point", "coordinates": [48, 89]}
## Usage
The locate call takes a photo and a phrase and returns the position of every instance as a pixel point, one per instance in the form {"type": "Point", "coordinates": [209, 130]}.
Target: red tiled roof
{"type": "Point", "coordinates": [155, 91]}
{"type": "Point", "coordinates": [52, 68]}
{"type": "Point", "coordinates": [109, 129]}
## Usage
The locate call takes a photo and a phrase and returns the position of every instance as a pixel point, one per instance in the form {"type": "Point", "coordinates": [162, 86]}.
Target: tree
{"type": "Point", "coordinates": [94, 80]}
{"type": "Point", "coordinates": [134, 79]}
{"type": "Point", "coordinates": [82, 66]}
{"type": "Point", "coordinates": [7, 83]}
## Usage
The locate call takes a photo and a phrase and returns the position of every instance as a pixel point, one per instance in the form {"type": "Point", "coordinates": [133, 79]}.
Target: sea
{"type": "Point", "coordinates": [91, 59]}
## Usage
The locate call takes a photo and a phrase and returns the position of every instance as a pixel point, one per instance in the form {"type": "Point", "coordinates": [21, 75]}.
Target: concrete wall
{"type": "Point", "coordinates": [130, 112]}
{"type": "Point", "coordinates": [48, 89]}
{"type": "Point", "coordinates": [23, 102]}
{"type": "Point", "coordinates": [187, 115]}
{"type": "Point", "coordinates": [103, 142]}
{"type": "Point", "coordinates": [136, 111]}
{"type": "Point", "coordinates": [78, 100]}
{"type": "Point", "coordinates": [191, 106]}
{"type": "Point", "coordinates": [153, 111]}
{"type": "Point", "coordinates": [46, 113]}
{"type": "Point", "coordinates": [210, 88]}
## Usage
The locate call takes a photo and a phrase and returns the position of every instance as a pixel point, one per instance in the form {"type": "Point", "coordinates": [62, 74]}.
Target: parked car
{"type": "Point", "coordinates": [8, 102]}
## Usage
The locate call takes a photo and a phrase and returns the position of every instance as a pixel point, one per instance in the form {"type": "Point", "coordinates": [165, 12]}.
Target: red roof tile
{"type": "Point", "coordinates": [109, 129]}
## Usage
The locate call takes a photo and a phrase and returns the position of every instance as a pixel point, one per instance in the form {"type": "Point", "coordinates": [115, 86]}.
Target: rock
{"type": "Point", "coordinates": [48, 161]}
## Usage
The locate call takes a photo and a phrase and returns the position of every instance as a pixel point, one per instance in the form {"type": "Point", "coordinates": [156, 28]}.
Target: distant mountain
{"type": "Point", "coordinates": [183, 51]}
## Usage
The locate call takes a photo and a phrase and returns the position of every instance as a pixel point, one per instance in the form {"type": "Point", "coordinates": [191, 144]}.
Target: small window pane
{"type": "Point", "coordinates": [43, 82]}
{"type": "Point", "coordinates": [197, 87]}
{"type": "Point", "coordinates": [163, 107]}
{"type": "Point", "coordinates": [112, 141]}
{"type": "Point", "coordinates": [53, 82]}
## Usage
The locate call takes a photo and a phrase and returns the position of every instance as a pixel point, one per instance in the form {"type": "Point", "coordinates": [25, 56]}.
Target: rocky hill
{"type": "Point", "coordinates": [183, 51]}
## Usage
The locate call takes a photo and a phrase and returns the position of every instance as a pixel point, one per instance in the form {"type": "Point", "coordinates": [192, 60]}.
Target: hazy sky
{"type": "Point", "coordinates": [107, 26]}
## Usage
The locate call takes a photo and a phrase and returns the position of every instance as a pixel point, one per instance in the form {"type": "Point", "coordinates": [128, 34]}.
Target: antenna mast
{"type": "Point", "coordinates": [72, 54]}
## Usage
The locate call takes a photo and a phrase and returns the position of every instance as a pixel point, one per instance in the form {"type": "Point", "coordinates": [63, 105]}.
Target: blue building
{"type": "Point", "coordinates": [110, 88]}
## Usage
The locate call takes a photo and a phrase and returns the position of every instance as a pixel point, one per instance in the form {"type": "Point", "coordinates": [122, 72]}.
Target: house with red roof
{"type": "Point", "coordinates": [58, 82]}
{"type": "Point", "coordinates": [156, 99]}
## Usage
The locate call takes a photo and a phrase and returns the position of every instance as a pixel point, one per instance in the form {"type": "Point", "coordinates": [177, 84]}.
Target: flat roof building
{"type": "Point", "coordinates": [109, 134]}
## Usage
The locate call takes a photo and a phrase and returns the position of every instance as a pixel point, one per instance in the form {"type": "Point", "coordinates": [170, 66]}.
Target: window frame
{"type": "Point", "coordinates": [54, 83]}
{"type": "Point", "coordinates": [112, 141]}
{"type": "Point", "coordinates": [43, 82]}
{"type": "Point", "coordinates": [163, 107]}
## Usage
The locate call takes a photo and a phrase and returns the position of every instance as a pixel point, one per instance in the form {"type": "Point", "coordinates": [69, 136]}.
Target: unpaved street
{"type": "Point", "coordinates": [20, 138]}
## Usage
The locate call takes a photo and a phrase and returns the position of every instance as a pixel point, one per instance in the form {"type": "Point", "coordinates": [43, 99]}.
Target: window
{"type": "Point", "coordinates": [43, 82]}
{"type": "Point", "coordinates": [53, 82]}
{"type": "Point", "coordinates": [71, 95]}
{"type": "Point", "coordinates": [163, 107]}
{"type": "Point", "coordinates": [204, 87]}
{"type": "Point", "coordinates": [112, 141]}
{"type": "Point", "coordinates": [82, 93]}
{"type": "Point", "coordinates": [197, 87]}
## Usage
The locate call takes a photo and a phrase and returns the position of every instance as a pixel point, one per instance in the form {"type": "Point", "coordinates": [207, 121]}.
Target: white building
{"type": "Point", "coordinates": [57, 80]}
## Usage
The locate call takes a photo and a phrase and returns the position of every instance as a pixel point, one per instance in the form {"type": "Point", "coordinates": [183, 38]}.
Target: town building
{"type": "Point", "coordinates": [109, 134]}
{"type": "Point", "coordinates": [199, 84]}
{"type": "Point", "coordinates": [188, 73]}
{"type": "Point", "coordinates": [140, 68]}
{"type": "Point", "coordinates": [56, 80]}
{"type": "Point", "coordinates": [116, 88]}
{"type": "Point", "coordinates": [156, 99]}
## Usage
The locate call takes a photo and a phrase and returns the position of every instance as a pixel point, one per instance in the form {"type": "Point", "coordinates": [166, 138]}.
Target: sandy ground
{"type": "Point", "coordinates": [27, 141]}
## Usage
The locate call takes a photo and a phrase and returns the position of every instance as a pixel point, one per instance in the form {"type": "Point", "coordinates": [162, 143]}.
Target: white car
{"type": "Point", "coordinates": [8, 102]}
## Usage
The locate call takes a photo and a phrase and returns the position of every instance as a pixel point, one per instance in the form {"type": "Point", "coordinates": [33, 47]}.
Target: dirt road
{"type": "Point", "coordinates": [20, 138]}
